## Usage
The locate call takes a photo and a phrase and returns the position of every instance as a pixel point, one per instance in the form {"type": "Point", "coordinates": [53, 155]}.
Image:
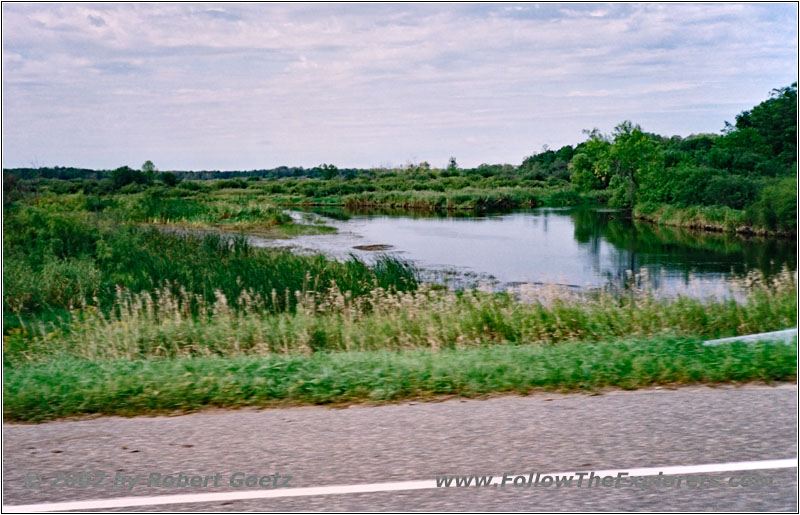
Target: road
{"type": "Point", "coordinates": [410, 444]}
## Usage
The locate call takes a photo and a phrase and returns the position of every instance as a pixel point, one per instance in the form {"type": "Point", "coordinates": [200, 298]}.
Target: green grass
{"type": "Point", "coordinates": [151, 354]}
{"type": "Point", "coordinates": [71, 387]}
{"type": "Point", "coordinates": [462, 199]}
{"type": "Point", "coordinates": [713, 218]}
{"type": "Point", "coordinates": [253, 205]}
{"type": "Point", "coordinates": [59, 261]}
{"type": "Point", "coordinates": [163, 324]}
{"type": "Point", "coordinates": [716, 218]}
{"type": "Point", "coordinates": [102, 315]}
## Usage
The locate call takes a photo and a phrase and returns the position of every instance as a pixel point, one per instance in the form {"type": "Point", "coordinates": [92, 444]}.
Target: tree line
{"type": "Point", "coordinates": [751, 166]}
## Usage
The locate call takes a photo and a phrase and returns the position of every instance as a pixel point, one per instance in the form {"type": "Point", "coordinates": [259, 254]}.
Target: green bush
{"type": "Point", "coordinates": [230, 183]}
{"type": "Point", "coordinates": [776, 208]}
{"type": "Point", "coordinates": [730, 190]}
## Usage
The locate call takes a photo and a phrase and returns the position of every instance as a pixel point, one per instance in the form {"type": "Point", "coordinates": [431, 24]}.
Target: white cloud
{"type": "Point", "coordinates": [202, 85]}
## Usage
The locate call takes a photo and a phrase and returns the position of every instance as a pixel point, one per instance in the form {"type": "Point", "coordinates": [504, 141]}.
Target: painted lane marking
{"type": "Point", "coordinates": [129, 502]}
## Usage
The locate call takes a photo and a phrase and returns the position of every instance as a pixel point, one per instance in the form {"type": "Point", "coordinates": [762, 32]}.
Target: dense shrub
{"type": "Point", "coordinates": [776, 208]}
{"type": "Point", "coordinates": [732, 191]}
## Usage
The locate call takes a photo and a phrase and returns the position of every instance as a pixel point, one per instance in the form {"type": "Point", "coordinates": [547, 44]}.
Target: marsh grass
{"type": "Point", "coordinates": [105, 316]}
{"type": "Point", "coordinates": [169, 324]}
{"type": "Point", "coordinates": [61, 261]}
{"type": "Point", "coordinates": [207, 210]}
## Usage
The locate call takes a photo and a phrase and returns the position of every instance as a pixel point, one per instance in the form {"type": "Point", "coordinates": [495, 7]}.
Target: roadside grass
{"type": "Point", "coordinates": [73, 387]}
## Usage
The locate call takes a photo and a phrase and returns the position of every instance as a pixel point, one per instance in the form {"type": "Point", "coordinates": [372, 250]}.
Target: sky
{"type": "Point", "coordinates": [249, 86]}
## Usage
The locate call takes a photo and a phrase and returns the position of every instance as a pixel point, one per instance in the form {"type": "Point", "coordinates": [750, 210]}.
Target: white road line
{"type": "Point", "coordinates": [240, 495]}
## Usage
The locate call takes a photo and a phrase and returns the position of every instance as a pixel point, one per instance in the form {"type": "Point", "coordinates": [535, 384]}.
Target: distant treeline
{"type": "Point", "coordinates": [743, 178]}
{"type": "Point", "coordinates": [69, 172]}
{"type": "Point", "coordinates": [762, 143]}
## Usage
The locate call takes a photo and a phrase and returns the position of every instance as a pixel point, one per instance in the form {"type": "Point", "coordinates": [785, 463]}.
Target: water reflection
{"type": "Point", "coordinates": [579, 248]}
{"type": "Point", "coordinates": [687, 255]}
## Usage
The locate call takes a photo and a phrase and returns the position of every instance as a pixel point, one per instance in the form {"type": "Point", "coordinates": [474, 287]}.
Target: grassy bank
{"type": "Point", "coordinates": [124, 387]}
{"type": "Point", "coordinates": [775, 218]}
{"type": "Point", "coordinates": [230, 210]}
{"type": "Point", "coordinates": [464, 199]}
{"type": "Point", "coordinates": [164, 324]}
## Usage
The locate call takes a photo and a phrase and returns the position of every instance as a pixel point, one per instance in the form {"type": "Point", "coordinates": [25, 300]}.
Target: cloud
{"type": "Point", "coordinates": [221, 14]}
{"type": "Point", "coordinates": [97, 21]}
{"type": "Point", "coordinates": [204, 85]}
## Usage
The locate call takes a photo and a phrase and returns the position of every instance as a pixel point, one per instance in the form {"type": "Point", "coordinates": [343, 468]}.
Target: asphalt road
{"type": "Point", "coordinates": [419, 441]}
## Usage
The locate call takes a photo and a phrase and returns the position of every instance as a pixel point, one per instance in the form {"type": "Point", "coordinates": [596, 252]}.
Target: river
{"type": "Point", "coordinates": [576, 248]}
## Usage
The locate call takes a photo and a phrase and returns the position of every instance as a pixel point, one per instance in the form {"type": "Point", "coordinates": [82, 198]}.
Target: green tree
{"type": "Point", "coordinates": [775, 120]}
{"type": "Point", "coordinates": [149, 170]}
{"type": "Point", "coordinates": [169, 178]}
{"type": "Point", "coordinates": [589, 166]}
{"type": "Point", "coordinates": [125, 175]}
{"type": "Point", "coordinates": [452, 165]}
{"type": "Point", "coordinates": [635, 161]}
{"type": "Point", "coordinates": [328, 171]}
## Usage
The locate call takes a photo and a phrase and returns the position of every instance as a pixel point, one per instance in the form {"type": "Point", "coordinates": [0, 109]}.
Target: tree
{"type": "Point", "coordinates": [634, 159]}
{"type": "Point", "coordinates": [149, 170]}
{"type": "Point", "coordinates": [328, 171]}
{"type": "Point", "coordinates": [452, 166]}
{"type": "Point", "coordinates": [775, 119]}
{"type": "Point", "coordinates": [169, 178]}
{"type": "Point", "coordinates": [548, 164]}
{"type": "Point", "coordinates": [589, 166]}
{"type": "Point", "coordinates": [125, 175]}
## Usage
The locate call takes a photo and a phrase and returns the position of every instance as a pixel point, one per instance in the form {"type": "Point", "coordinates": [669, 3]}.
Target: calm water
{"type": "Point", "coordinates": [576, 247]}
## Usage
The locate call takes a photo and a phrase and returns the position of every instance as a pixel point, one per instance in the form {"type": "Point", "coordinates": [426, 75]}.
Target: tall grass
{"type": "Point", "coordinates": [161, 324]}
{"type": "Point", "coordinates": [469, 198]}
{"type": "Point", "coordinates": [163, 206]}
{"type": "Point", "coordinates": [63, 260]}
{"type": "Point", "coordinates": [103, 315]}
{"type": "Point", "coordinates": [759, 218]}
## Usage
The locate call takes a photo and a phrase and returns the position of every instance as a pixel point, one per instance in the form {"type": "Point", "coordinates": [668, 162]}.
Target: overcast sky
{"type": "Point", "coordinates": [244, 86]}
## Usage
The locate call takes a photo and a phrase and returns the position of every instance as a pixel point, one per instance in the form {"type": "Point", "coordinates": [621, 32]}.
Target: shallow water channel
{"type": "Point", "coordinates": [570, 247]}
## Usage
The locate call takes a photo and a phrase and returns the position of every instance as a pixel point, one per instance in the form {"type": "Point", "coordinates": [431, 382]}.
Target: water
{"type": "Point", "coordinates": [574, 248]}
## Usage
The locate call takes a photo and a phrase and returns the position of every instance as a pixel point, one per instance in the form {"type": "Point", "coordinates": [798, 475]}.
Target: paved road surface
{"type": "Point", "coordinates": [417, 441]}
